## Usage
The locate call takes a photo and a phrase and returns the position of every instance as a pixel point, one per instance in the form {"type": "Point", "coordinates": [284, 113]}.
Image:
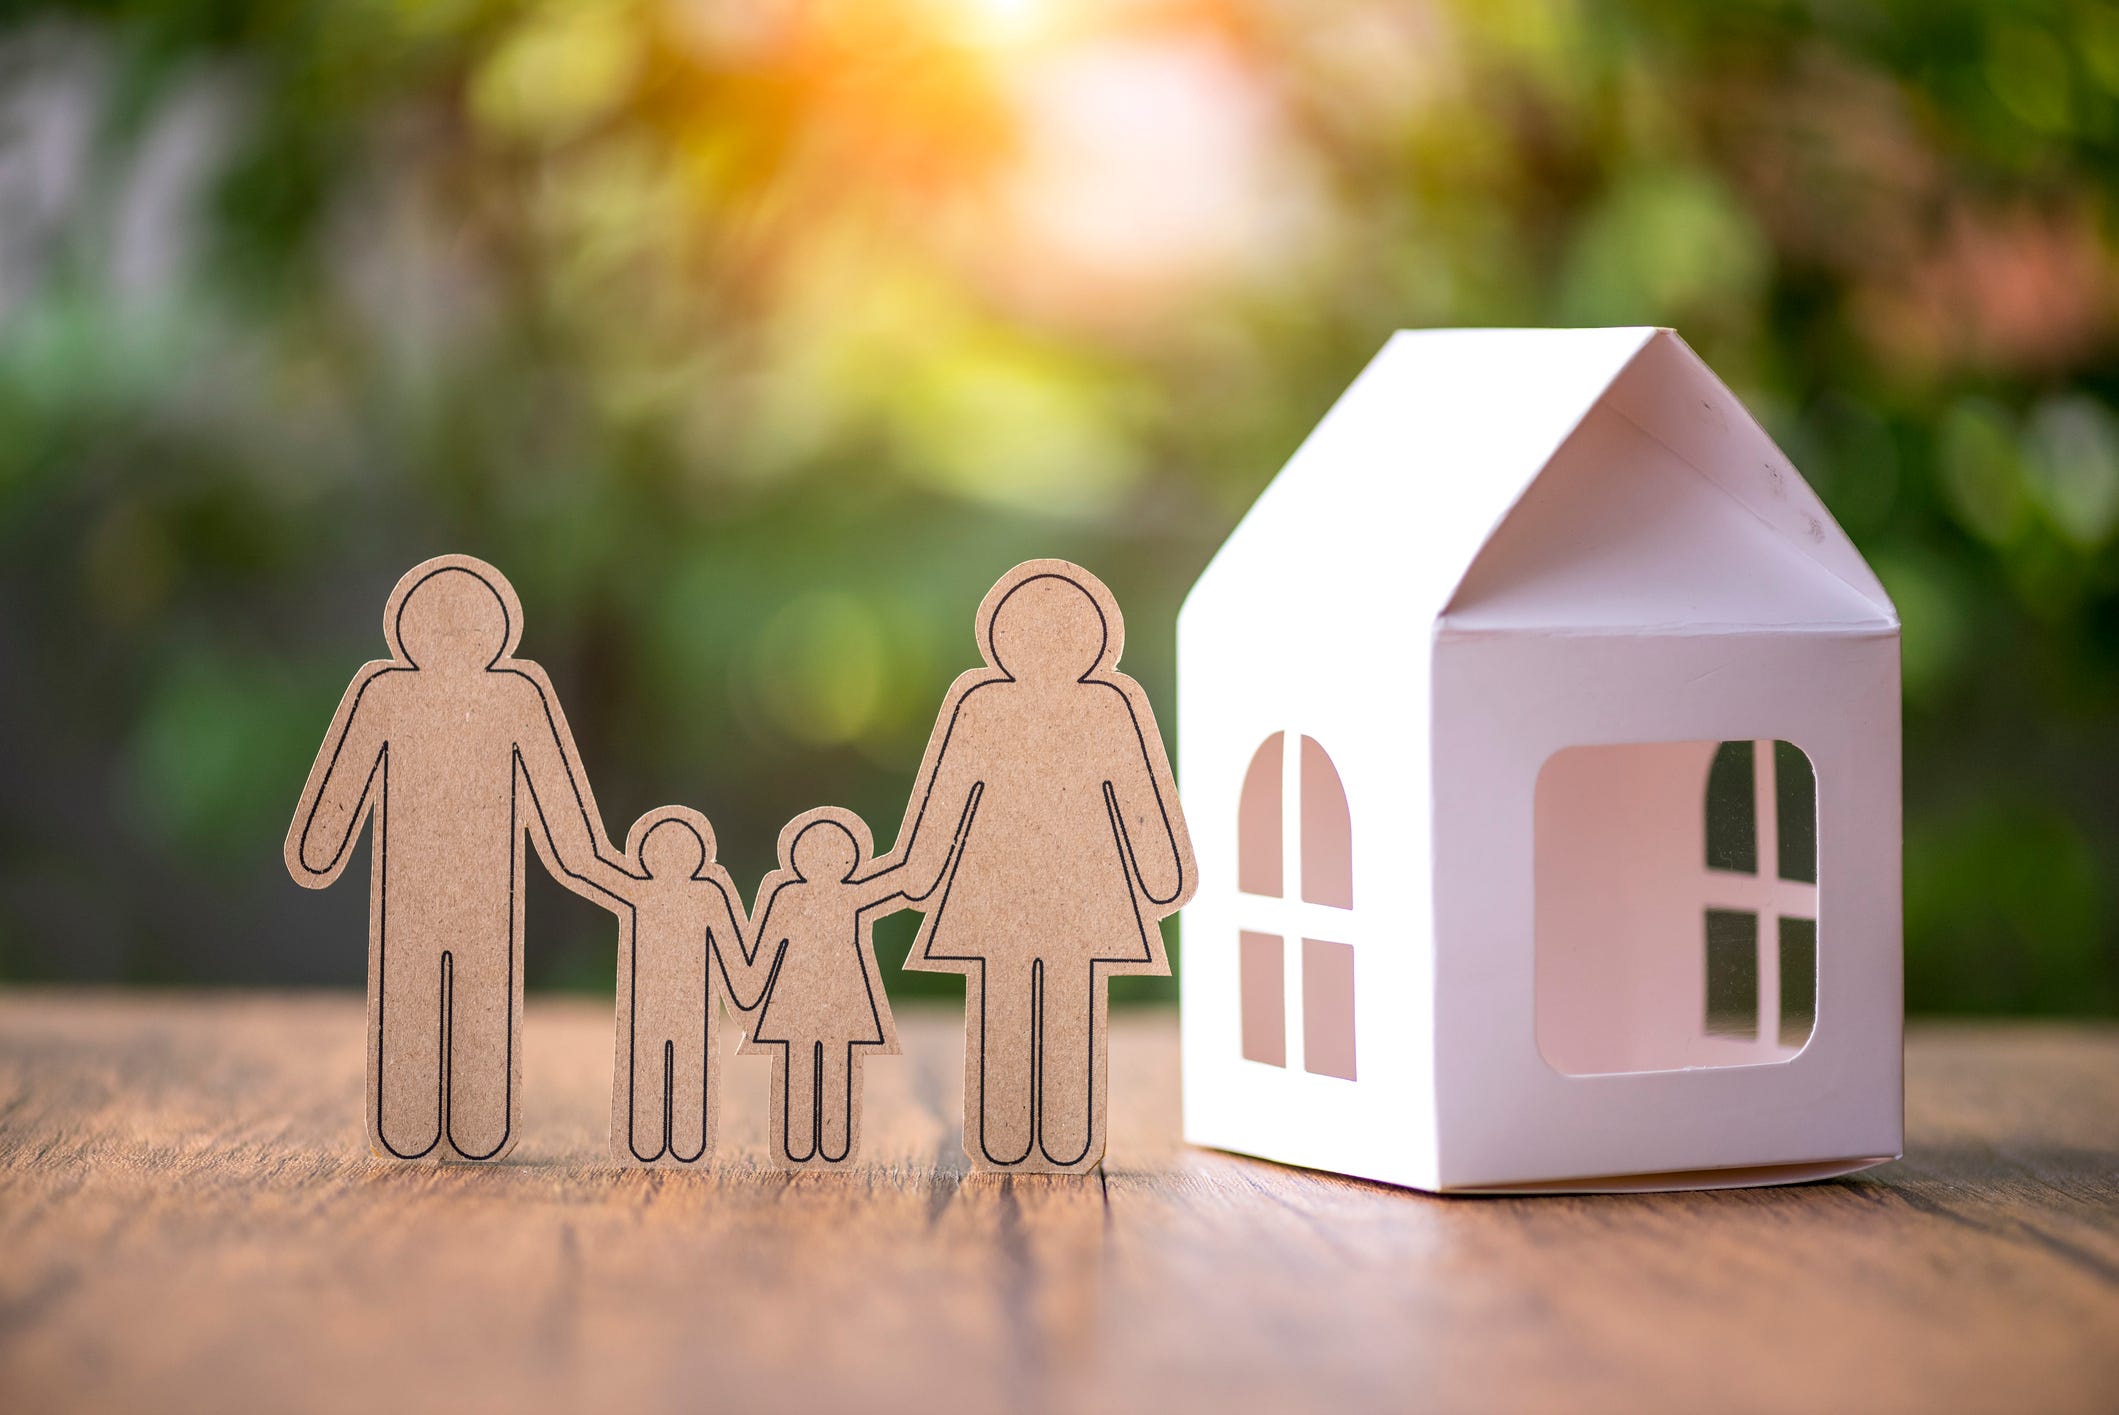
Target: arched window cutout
{"type": "Point", "coordinates": [1327, 832]}
{"type": "Point", "coordinates": [1732, 810]}
{"type": "Point", "coordinates": [1258, 865]}
{"type": "Point", "coordinates": [1763, 826]}
{"type": "Point", "coordinates": [1795, 813]}
{"type": "Point", "coordinates": [1321, 1024]}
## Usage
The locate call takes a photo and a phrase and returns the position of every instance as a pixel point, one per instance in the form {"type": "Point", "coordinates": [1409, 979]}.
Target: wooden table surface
{"type": "Point", "coordinates": [189, 1220]}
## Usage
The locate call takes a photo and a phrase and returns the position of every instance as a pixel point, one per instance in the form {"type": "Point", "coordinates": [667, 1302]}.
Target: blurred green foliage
{"type": "Point", "coordinates": [754, 339]}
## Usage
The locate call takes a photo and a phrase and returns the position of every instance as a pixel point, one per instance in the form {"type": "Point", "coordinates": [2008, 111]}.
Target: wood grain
{"type": "Point", "coordinates": [189, 1221]}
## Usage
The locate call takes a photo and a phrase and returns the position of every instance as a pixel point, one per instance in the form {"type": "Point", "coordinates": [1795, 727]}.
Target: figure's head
{"type": "Point", "coordinates": [1048, 621]}
{"type": "Point", "coordinates": [672, 843]}
{"type": "Point", "coordinates": [824, 850]}
{"type": "Point", "coordinates": [453, 615]}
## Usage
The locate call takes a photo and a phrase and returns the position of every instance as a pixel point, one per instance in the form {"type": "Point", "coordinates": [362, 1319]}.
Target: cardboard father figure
{"type": "Point", "coordinates": [459, 750]}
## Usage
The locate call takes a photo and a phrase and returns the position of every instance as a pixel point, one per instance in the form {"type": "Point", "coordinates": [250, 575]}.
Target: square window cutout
{"type": "Point", "coordinates": [1676, 906]}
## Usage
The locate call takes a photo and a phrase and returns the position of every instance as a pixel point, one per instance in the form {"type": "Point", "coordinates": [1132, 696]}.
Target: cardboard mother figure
{"type": "Point", "coordinates": [459, 750]}
{"type": "Point", "coordinates": [1044, 842]}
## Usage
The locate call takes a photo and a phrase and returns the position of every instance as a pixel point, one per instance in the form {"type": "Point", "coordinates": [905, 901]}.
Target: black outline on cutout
{"type": "Point", "coordinates": [864, 954]}
{"type": "Point", "coordinates": [1129, 867]}
{"type": "Point", "coordinates": [630, 950]}
{"type": "Point", "coordinates": [371, 808]}
{"type": "Point", "coordinates": [783, 1080]}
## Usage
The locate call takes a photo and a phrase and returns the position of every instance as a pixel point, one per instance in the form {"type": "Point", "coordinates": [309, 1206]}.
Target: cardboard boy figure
{"type": "Point", "coordinates": [681, 950]}
{"type": "Point", "coordinates": [458, 750]}
{"type": "Point", "coordinates": [1043, 840]}
{"type": "Point", "coordinates": [824, 1002]}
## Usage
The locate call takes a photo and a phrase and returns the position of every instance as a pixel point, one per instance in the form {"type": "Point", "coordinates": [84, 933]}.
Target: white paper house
{"type": "Point", "coordinates": [1539, 731]}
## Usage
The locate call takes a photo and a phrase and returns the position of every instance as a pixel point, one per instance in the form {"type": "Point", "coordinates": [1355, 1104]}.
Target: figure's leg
{"type": "Point", "coordinates": [688, 1060]}
{"type": "Point", "coordinates": [997, 1083]}
{"type": "Point", "coordinates": [636, 1060]}
{"type": "Point", "coordinates": [1070, 1076]}
{"type": "Point", "coordinates": [647, 1090]}
{"type": "Point", "coordinates": [835, 1102]}
{"type": "Point", "coordinates": [797, 1086]}
{"type": "Point", "coordinates": [404, 1084]}
{"type": "Point", "coordinates": [663, 1087]}
{"type": "Point", "coordinates": [484, 1049]}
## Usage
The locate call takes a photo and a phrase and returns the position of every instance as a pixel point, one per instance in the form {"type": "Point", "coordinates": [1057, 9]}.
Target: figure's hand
{"type": "Point", "coordinates": [1161, 875]}
{"type": "Point", "coordinates": [755, 971]}
{"type": "Point", "coordinates": [884, 886]}
{"type": "Point", "coordinates": [924, 871]}
{"type": "Point", "coordinates": [916, 894]}
{"type": "Point", "coordinates": [1151, 846]}
{"type": "Point", "coordinates": [928, 856]}
{"type": "Point", "coordinates": [611, 886]}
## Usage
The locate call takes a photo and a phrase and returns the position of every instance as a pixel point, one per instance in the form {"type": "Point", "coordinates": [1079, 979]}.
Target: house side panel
{"type": "Point", "coordinates": [1289, 662]}
{"type": "Point", "coordinates": [1503, 705]}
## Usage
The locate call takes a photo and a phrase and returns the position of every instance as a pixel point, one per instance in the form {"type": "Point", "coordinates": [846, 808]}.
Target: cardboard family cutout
{"type": "Point", "coordinates": [458, 750]}
{"type": "Point", "coordinates": [681, 951]}
{"type": "Point", "coordinates": [1043, 841]}
{"type": "Point", "coordinates": [823, 1005]}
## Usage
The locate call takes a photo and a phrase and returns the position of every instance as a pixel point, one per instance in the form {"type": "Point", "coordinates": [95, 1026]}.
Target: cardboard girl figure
{"type": "Point", "coordinates": [1043, 841]}
{"type": "Point", "coordinates": [824, 1002]}
{"type": "Point", "coordinates": [681, 951]}
{"type": "Point", "coordinates": [458, 750]}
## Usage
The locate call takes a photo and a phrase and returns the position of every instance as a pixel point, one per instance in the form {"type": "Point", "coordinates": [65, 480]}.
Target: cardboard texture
{"type": "Point", "coordinates": [681, 955]}
{"type": "Point", "coordinates": [457, 750]}
{"type": "Point", "coordinates": [1043, 841]}
{"type": "Point", "coordinates": [823, 1006]}
{"type": "Point", "coordinates": [1450, 697]}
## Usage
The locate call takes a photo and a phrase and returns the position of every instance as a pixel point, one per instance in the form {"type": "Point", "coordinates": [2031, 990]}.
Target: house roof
{"type": "Point", "coordinates": [1560, 479]}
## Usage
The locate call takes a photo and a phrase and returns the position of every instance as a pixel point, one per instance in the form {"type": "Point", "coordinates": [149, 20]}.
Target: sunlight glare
{"type": "Point", "coordinates": [1153, 163]}
{"type": "Point", "coordinates": [997, 23]}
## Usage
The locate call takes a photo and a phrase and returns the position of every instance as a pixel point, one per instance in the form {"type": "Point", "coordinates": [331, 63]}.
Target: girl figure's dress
{"type": "Point", "coordinates": [823, 988]}
{"type": "Point", "coordinates": [824, 1003]}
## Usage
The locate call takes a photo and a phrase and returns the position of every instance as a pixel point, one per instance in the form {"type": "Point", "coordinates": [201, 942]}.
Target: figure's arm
{"type": "Point", "coordinates": [1144, 793]}
{"type": "Point", "coordinates": [943, 796]}
{"type": "Point", "coordinates": [879, 888]}
{"type": "Point", "coordinates": [750, 968]}
{"type": "Point", "coordinates": [607, 884]}
{"type": "Point", "coordinates": [564, 823]}
{"type": "Point", "coordinates": [341, 783]}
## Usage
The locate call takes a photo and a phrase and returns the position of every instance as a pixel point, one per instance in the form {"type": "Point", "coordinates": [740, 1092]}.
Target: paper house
{"type": "Point", "coordinates": [1539, 731]}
